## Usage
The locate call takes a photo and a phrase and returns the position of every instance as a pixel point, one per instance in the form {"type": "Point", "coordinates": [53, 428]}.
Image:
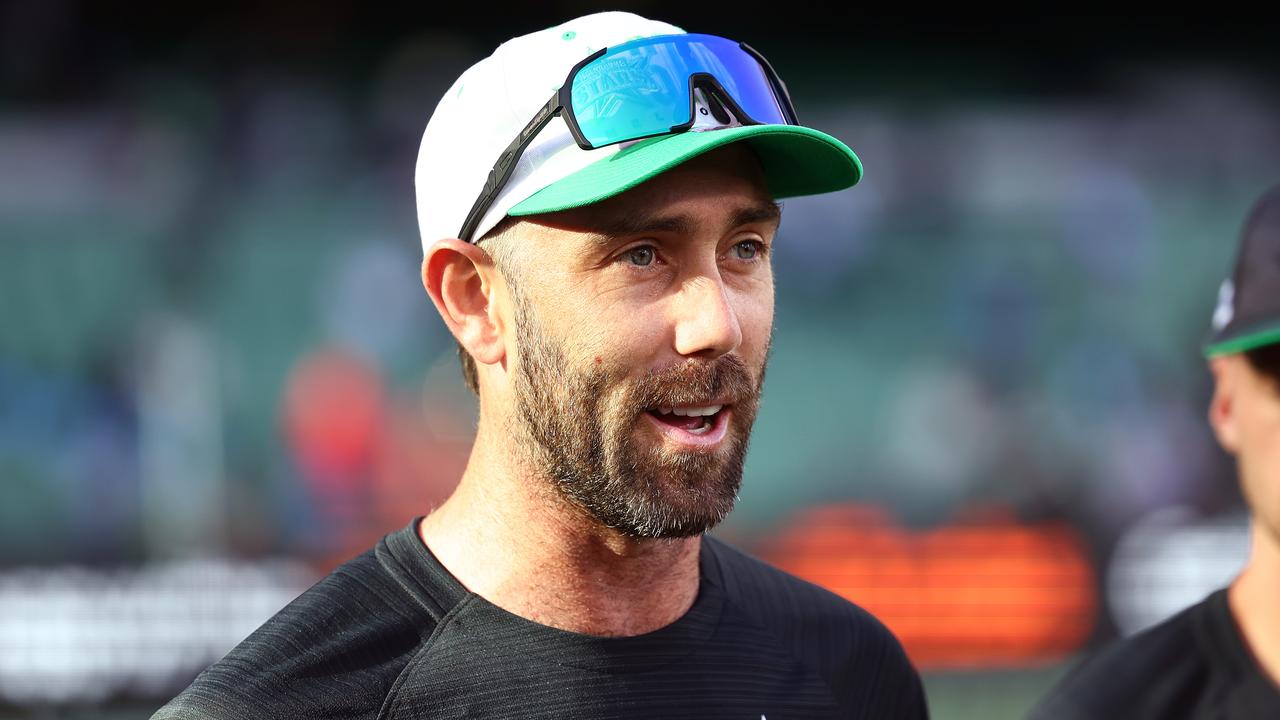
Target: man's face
{"type": "Point", "coordinates": [641, 332]}
{"type": "Point", "coordinates": [1246, 418]}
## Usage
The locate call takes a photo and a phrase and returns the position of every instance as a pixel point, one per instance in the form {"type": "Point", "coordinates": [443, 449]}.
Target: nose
{"type": "Point", "coordinates": [706, 323]}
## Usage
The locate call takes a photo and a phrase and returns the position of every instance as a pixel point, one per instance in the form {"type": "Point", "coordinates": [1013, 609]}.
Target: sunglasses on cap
{"type": "Point", "coordinates": [645, 88]}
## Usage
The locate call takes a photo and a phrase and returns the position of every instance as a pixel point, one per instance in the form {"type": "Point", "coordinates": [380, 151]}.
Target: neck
{"type": "Point", "coordinates": [1252, 598]}
{"type": "Point", "coordinates": [509, 537]}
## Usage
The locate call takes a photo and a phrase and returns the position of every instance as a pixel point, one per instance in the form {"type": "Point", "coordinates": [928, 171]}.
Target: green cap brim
{"type": "Point", "coordinates": [796, 161]}
{"type": "Point", "coordinates": [1245, 342]}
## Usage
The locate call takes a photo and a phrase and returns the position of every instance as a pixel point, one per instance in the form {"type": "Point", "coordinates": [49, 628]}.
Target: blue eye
{"type": "Point", "coordinates": [747, 250]}
{"type": "Point", "coordinates": [641, 256]}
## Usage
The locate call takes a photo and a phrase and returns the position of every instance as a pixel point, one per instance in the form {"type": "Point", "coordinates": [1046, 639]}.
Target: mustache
{"type": "Point", "coordinates": [725, 379]}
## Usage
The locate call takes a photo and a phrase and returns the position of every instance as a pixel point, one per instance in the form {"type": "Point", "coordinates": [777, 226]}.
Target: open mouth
{"type": "Point", "coordinates": [701, 425]}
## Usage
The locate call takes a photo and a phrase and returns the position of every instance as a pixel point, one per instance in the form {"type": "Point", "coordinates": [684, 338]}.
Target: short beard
{"type": "Point", "coordinates": [582, 437]}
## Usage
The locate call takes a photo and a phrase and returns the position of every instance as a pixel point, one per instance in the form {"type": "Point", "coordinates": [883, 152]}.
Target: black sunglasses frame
{"type": "Point", "coordinates": [561, 104]}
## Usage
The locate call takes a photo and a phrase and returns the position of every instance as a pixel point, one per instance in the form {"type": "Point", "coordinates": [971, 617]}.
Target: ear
{"type": "Point", "coordinates": [460, 278]}
{"type": "Point", "coordinates": [1223, 410]}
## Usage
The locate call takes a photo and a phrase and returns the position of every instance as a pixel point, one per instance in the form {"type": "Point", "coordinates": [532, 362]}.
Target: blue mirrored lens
{"type": "Point", "coordinates": [641, 88]}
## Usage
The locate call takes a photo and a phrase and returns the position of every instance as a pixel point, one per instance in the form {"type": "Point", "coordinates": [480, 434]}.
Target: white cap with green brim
{"type": "Point", "coordinates": [493, 100]}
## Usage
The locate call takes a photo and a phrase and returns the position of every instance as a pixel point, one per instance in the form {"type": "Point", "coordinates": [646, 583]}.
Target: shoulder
{"type": "Point", "coordinates": [336, 650]}
{"type": "Point", "coordinates": [1156, 672]}
{"type": "Point", "coordinates": [792, 605]}
{"type": "Point", "coordinates": [838, 639]}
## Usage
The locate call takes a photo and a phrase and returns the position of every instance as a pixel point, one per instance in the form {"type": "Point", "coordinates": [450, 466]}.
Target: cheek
{"type": "Point", "coordinates": [609, 336]}
{"type": "Point", "coordinates": [1260, 457]}
{"type": "Point", "coordinates": [755, 318]}
{"type": "Point", "coordinates": [1262, 426]}
{"type": "Point", "coordinates": [1269, 447]}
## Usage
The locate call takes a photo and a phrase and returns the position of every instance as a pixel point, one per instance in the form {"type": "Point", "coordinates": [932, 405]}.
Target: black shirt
{"type": "Point", "coordinates": [392, 634]}
{"type": "Point", "coordinates": [1193, 665]}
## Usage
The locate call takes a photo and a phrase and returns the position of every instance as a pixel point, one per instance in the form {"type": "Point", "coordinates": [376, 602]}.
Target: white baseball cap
{"type": "Point", "coordinates": [495, 99]}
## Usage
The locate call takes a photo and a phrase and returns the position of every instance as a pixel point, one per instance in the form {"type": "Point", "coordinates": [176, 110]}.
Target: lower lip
{"type": "Point", "coordinates": [704, 441]}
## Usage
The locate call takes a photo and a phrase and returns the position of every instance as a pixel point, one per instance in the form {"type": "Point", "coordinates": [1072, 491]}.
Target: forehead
{"type": "Point", "coordinates": [718, 190]}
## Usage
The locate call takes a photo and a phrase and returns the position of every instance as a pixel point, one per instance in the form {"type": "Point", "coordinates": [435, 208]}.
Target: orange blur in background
{"type": "Point", "coordinates": [984, 591]}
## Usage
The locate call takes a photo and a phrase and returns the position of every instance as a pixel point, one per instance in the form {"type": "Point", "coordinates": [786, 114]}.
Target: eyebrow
{"type": "Point", "coordinates": [629, 225]}
{"type": "Point", "coordinates": [763, 212]}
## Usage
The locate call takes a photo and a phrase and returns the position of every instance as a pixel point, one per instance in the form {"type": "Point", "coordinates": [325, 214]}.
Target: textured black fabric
{"type": "Point", "coordinates": [1194, 665]}
{"type": "Point", "coordinates": [391, 634]}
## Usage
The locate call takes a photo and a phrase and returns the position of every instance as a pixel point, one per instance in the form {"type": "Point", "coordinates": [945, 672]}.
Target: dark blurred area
{"type": "Point", "coordinates": [984, 420]}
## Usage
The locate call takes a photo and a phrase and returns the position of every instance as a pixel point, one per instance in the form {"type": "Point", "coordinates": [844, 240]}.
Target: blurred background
{"type": "Point", "coordinates": [984, 419]}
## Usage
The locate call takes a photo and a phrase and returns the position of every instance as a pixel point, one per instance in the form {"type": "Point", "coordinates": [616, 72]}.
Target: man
{"type": "Point", "coordinates": [1220, 658]}
{"type": "Point", "coordinates": [602, 259]}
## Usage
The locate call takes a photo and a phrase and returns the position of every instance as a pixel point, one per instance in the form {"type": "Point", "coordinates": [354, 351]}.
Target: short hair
{"type": "Point", "coordinates": [496, 245]}
{"type": "Point", "coordinates": [1266, 360]}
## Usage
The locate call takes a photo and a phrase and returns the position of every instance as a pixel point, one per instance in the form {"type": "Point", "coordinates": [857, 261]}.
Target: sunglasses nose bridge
{"type": "Point", "coordinates": [707, 95]}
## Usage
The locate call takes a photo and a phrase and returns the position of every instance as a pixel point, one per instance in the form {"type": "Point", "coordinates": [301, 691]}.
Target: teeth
{"type": "Point", "coordinates": [695, 412]}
